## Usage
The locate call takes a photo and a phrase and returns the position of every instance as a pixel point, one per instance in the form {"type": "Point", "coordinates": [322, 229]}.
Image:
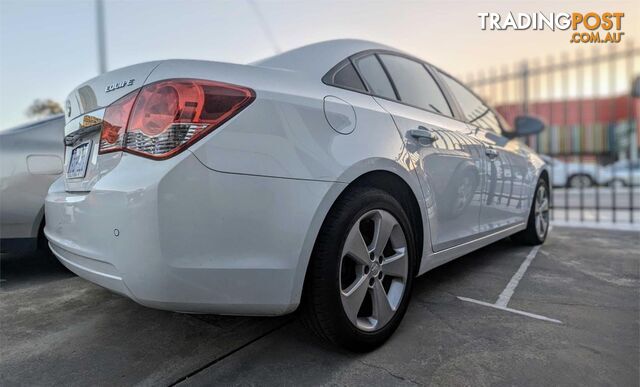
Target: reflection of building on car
{"type": "Point", "coordinates": [583, 175]}
{"type": "Point", "coordinates": [30, 160]}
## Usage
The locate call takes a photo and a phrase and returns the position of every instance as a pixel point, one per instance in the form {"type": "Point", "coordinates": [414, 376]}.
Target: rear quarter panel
{"type": "Point", "coordinates": [30, 161]}
{"type": "Point", "coordinates": [284, 134]}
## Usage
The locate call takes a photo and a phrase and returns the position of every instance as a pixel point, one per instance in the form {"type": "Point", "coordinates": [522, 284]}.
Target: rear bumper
{"type": "Point", "coordinates": [176, 235]}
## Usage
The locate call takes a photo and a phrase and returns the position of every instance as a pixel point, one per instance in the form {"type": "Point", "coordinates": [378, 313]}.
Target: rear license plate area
{"type": "Point", "coordinates": [78, 162]}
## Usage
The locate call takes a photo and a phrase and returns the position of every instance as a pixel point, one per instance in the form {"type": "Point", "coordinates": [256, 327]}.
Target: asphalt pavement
{"type": "Point", "coordinates": [571, 317]}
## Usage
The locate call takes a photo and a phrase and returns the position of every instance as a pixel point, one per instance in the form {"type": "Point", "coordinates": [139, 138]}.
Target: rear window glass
{"type": "Point", "coordinates": [374, 75]}
{"type": "Point", "coordinates": [474, 110]}
{"type": "Point", "coordinates": [415, 85]}
{"type": "Point", "coordinates": [348, 77]}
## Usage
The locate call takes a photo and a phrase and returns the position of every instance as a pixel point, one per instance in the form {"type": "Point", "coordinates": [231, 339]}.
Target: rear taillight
{"type": "Point", "coordinates": [164, 118]}
{"type": "Point", "coordinates": [114, 123]}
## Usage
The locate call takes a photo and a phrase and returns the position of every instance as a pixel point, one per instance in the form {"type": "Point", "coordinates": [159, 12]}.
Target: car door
{"type": "Point", "coordinates": [508, 175]}
{"type": "Point", "coordinates": [441, 148]}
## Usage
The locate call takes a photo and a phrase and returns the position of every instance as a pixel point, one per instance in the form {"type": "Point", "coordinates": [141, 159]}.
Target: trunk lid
{"type": "Point", "coordinates": [84, 111]}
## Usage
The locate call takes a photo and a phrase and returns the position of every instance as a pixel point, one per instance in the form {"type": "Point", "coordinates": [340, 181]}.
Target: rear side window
{"type": "Point", "coordinates": [474, 110]}
{"type": "Point", "coordinates": [348, 77]}
{"type": "Point", "coordinates": [415, 85]}
{"type": "Point", "coordinates": [375, 77]}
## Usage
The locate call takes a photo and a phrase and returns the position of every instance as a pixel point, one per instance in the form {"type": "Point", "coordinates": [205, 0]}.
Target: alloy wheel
{"type": "Point", "coordinates": [580, 181]}
{"type": "Point", "coordinates": [374, 266]}
{"type": "Point", "coordinates": [541, 211]}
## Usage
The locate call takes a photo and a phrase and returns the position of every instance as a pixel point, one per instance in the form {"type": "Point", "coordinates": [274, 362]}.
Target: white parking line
{"type": "Point", "coordinates": [507, 293]}
{"type": "Point", "coordinates": [504, 297]}
{"type": "Point", "coordinates": [516, 311]}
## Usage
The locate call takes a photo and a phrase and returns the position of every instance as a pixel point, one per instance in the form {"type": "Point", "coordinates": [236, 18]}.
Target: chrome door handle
{"type": "Point", "coordinates": [491, 153]}
{"type": "Point", "coordinates": [423, 135]}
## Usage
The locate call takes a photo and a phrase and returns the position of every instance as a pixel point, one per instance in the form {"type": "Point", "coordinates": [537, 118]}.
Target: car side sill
{"type": "Point", "coordinates": [441, 257]}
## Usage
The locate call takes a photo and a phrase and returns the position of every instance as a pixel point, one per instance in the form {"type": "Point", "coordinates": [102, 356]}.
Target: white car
{"type": "Point", "coordinates": [622, 173]}
{"type": "Point", "coordinates": [324, 178]}
{"type": "Point", "coordinates": [30, 160]}
{"type": "Point", "coordinates": [572, 174]}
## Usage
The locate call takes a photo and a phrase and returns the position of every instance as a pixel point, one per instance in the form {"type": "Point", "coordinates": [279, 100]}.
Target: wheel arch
{"type": "Point", "coordinates": [399, 189]}
{"type": "Point", "coordinates": [542, 171]}
{"type": "Point", "coordinates": [390, 177]}
{"type": "Point", "coordinates": [544, 175]}
{"type": "Point", "coordinates": [579, 174]}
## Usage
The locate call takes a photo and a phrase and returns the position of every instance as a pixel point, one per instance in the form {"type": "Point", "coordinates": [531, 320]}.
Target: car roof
{"type": "Point", "coordinates": [33, 124]}
{"type": "Point", "coordinates": [318, 58]}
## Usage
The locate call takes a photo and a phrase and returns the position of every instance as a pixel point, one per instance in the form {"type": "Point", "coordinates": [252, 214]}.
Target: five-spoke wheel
{"type": "Point", "coordinates": [373, 270]}
{"type": "Point", "coordinates": [361, 270]}
{"type": "Point", "coordinates": [541, 207]}
{"type": "Point", "coordinates": [538, 221]}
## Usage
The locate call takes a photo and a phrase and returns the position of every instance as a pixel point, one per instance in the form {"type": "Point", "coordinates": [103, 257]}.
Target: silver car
{"type": "Point", "coordinates": [322, 179]}
{"type": "Point", "coordinates": [622, 173]}
{"type": "Point", "coordinates": [31, 158]}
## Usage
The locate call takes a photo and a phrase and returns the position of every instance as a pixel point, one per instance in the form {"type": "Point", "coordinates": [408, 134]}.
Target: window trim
{"type": "Point", "coordinates": [329, 77]}
{"type": "Point", "coordinates": [451, 101]}
{"type": "Point", "coordinates": [430, 74]}
{"type": "Point", "coordinates": [386, 72]}
{"type": "Point", "coordinates": [489, 107]}
{"type": "Point", "coordinates": [355, 60]}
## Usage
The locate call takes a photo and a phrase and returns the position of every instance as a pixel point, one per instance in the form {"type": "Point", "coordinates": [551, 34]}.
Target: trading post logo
{"type": "Point", "coordinates": [589, 27]}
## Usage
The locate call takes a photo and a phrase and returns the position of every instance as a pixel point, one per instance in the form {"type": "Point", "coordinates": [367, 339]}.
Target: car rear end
{"type": "Point", "coordinates": [138, 213]}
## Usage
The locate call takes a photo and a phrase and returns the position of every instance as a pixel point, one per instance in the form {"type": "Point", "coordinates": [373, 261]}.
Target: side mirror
{"type": "Point", "coordinates": [527, 126]}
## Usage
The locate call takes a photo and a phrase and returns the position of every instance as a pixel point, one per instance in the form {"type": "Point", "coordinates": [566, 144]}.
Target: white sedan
{"type": "Point", "coordinates": [622, 173]}
{"type": "Point", "coordinates": [572, 174]}
{"type": "Point", "coordinates": [325, 178]}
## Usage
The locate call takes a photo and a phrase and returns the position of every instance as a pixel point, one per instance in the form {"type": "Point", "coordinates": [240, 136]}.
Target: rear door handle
{"type": "Point", "coordinates": [423, 135]}
{"type": "Point", "coordinates": [491, 153]}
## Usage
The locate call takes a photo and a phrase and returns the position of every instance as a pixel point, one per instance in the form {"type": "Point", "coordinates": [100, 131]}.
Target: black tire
{"type": "Point", "coordinates": [580, 180]}
{"type": "Point", "coordinates": [617, 183]}
{"type": "Point", "coordinates": [43, 242]}
{"type": "Point", "coordinates": [530, 236]}
{"type": "Point", "coordinates": [322, 310]}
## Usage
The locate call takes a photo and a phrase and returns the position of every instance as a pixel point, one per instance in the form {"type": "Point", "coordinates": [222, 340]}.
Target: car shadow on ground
{"type": "Point", "coordinates": [19, 269]}
{"type": "Point", "coordinates": [101, 326]}
{"type": "Point", "coordinates": [294, 347]}
{"type": "Point", "coordinates": [51, 327]}
{"type": "Point", "coordinates": [588, 280]}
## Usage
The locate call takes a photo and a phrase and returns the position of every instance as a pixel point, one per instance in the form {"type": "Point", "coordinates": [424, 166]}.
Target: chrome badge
{"type": "Point", "coordinates": [118, 85]}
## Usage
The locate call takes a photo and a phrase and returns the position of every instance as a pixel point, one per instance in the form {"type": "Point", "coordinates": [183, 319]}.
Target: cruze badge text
{"type": "Point", "coordinates": [118, 85]}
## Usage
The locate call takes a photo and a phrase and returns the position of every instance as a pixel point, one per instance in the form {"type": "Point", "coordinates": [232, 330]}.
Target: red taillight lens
{"type": "Point", "coordinates": [168, 116]}
{"type": "Point", "coordinates": [156, 109]}
{"type": "Point", "coordinates": [114, 123]}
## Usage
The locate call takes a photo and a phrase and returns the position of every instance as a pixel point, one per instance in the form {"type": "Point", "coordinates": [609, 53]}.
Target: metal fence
{"type": "Point", "coordinates": [591, 107]}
